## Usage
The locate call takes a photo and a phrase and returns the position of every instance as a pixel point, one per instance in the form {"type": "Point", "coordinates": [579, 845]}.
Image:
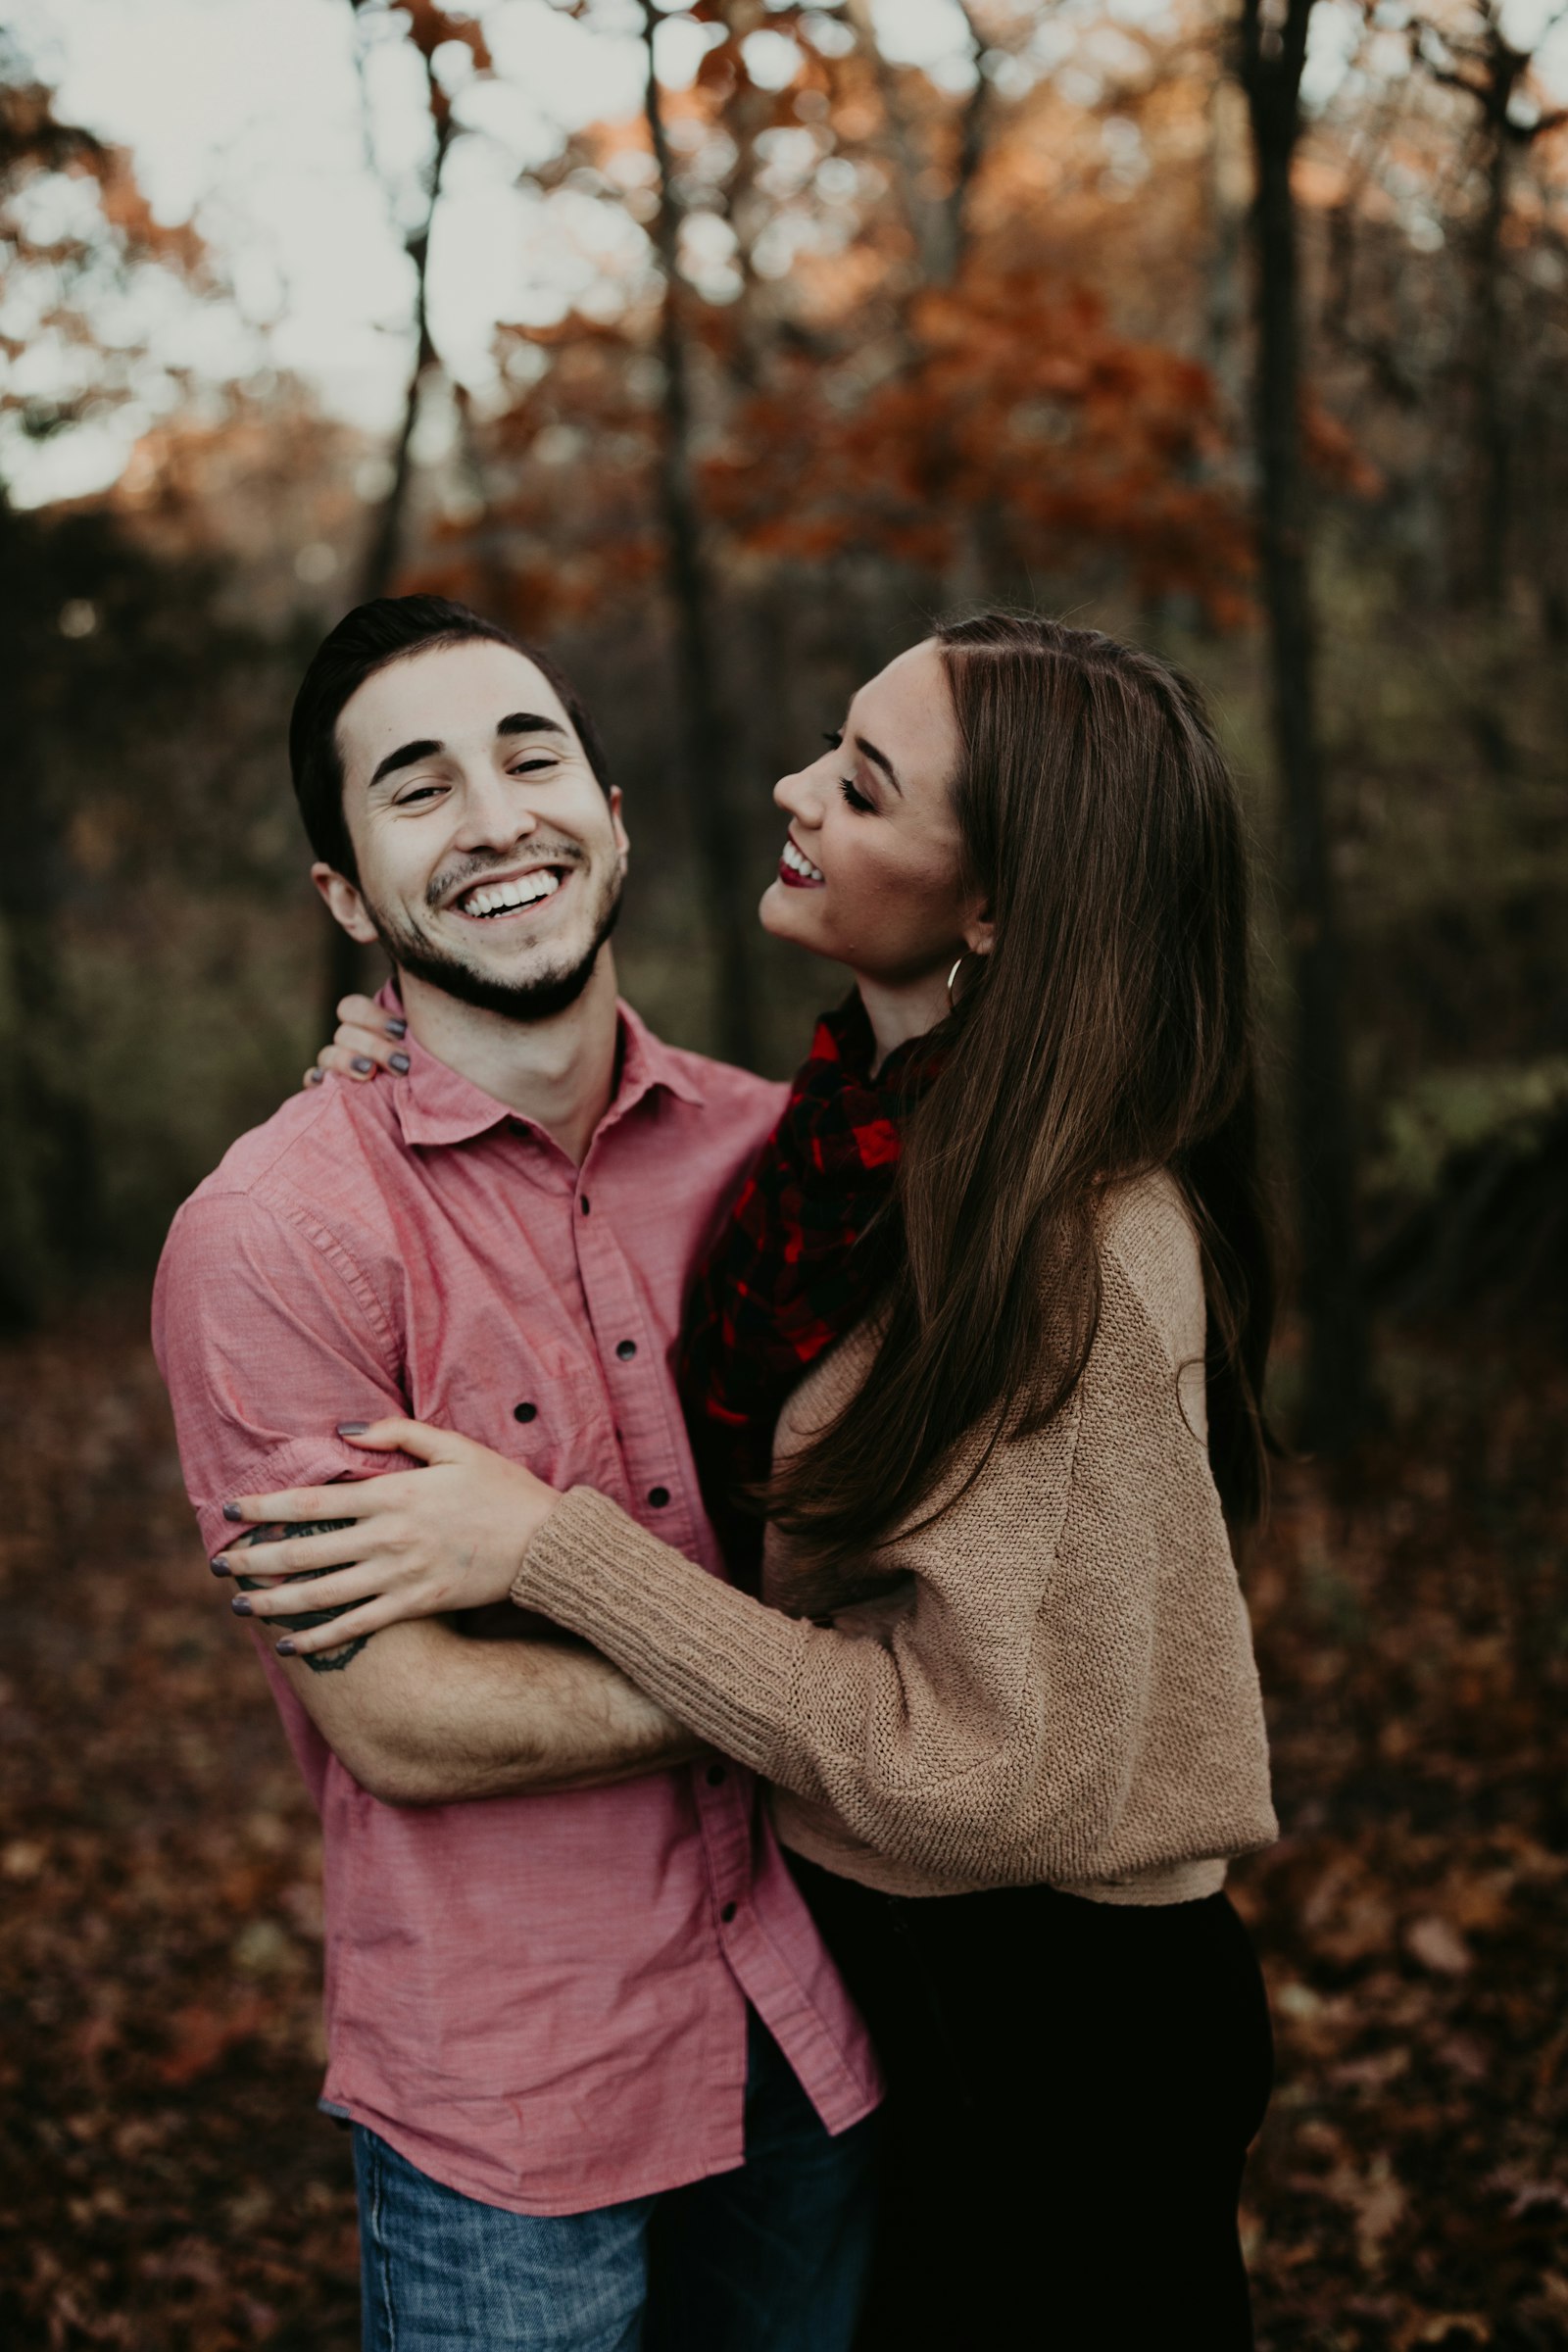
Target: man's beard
{"type": "Point", "coordinates": [535, 999]}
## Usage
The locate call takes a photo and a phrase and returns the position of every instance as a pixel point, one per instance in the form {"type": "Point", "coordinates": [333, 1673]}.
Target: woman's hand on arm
{"type": "Point", "coordinates": [366, 1040]}
{"type": "Point", "coordinates": [415, 1543]}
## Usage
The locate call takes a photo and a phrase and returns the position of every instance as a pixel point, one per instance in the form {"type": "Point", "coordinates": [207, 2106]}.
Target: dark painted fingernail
{"type": "Point", "coordinates": [313, 1077]}
{"type": "Point", "coordinates": [233, 1513]}
{"type": "Point", "coordinates": [285, 1648]}
{"type": "Point", "coordinates": [220, 1567]}
{"type": "Point", "coordinates": [400, 1062]}
{"type": "Point", "coordinates": [241, 1605]}
{"type": "Point", "coordinates": [352, 1429]}
{"type": "Point", "coordinates": [362, 1064]}
{"type": "Point", "coordinates": [395, 1027]}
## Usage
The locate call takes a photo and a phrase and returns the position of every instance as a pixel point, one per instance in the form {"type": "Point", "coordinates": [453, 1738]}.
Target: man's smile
{"type": "Point", "coordinates": [502, 897]}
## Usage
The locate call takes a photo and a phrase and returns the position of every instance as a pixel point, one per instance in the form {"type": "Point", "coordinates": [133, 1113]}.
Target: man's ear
{"type": "Point", "coordinates": [344, 902]}
{"type": "Point", "coordinates": [622, 844]}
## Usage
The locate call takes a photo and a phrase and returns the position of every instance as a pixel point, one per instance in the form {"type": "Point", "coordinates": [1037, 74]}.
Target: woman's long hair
{"type": "Point", "coordinates": [1107, 1034]}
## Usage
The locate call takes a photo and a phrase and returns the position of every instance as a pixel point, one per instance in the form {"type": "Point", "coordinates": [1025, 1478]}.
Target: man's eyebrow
{"type": "Point", "coordinates": [528, 722]}
{"type": "Point", "coordinates": [407, 755]}
{"type": "Point", "coordinates": [881, 760]}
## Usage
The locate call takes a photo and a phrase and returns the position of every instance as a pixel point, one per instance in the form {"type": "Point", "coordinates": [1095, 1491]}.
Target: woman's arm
{"type": "Point", "coordinates": [925, 1742]}
{"type": "Point", "coordinates": [1073, 1605]}
{"type": "Point", "coordinates": [989, 1736]}
{"type": "Point", "coordinates": [914, 1739]}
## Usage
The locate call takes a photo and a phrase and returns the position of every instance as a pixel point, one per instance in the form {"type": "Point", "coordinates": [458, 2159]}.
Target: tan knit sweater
{"type": "Point", "coordinates": [1056, 1684]}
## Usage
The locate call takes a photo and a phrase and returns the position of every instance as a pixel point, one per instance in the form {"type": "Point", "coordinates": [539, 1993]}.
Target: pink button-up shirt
{"type": "Point", "coordinates": [539, 1999]}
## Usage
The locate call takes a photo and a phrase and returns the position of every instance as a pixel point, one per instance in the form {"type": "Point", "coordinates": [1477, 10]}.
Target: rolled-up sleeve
{"type": "Point", "coordinates": [268, 1334]}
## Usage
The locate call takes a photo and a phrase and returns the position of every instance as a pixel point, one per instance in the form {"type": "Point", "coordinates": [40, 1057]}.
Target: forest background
{"type": "Point", "coordinates": [1238, 329]}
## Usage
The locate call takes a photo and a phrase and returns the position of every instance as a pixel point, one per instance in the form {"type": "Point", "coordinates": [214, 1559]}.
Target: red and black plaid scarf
{"type": "Point", "coordinates": [794, 1267]}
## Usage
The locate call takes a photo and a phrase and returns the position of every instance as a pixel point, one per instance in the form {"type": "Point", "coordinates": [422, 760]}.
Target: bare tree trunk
{"type": "Point", "coordinates": [1335, 1400]}
{"type": "Point", "coordinates": [378, 570]}
{"type": "Point", "coordinates": [748, 112]}
{"type": "Point", "coordinates": [727, 888]}
{"type": "Point", "coordinates": [972, 126]}
{"type": "Point", "coordinates": [1230, 199]}
{"type": "Point", "coordinates": [50, 1196]}
{"type": "Point", "coordinates": [938, 227]}
{"type": "Point", "coordinates": [1490, 362]}
{"type": "Point", "coordinates": [49, 1169]}
{"type": "Point", "coordinates": [487, 536]}
{"type": "Point", "coordinates": [347, 969]}
{"type": "Point", "coordinates": [1487, 70]}
{"type": "Point", "coordinates": [1490, 716]}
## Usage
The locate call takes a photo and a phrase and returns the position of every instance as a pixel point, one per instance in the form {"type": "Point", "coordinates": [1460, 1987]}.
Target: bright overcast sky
{"type": "Point", "coordinates": [246, 115]}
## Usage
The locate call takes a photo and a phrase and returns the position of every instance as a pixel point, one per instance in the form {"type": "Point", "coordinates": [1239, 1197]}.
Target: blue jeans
{"type": "Point", "coordinates": [771, 2258]}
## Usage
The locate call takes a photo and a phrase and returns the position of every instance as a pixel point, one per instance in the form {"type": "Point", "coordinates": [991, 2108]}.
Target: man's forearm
{"type": "Point", "coordinates": [426, 1717]}
{"type": "Point", "coordinates": [536, 1716]}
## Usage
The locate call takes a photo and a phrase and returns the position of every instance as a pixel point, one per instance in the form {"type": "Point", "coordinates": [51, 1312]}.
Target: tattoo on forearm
{"type": "Point", "coordinates": [319, 1661]}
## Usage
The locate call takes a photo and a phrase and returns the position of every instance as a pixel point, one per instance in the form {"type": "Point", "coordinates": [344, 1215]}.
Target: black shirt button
{"type": "Point", "coordinates": [728, 1913]}
{"type": "Point", "coordinates": [658, 1497]}
{"type": "Point", "coordinates": [525, 1412]}
{"type": "Point", "coordinates": [582, 1202]}
{"type": "Point", "coordinates": [626, 1349]}
{"type": "Point", "coordinates": [716, 1776]}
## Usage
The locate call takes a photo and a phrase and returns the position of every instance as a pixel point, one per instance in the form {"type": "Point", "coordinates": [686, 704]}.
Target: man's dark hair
{"type": "Point", "coordinates": [366, 640]}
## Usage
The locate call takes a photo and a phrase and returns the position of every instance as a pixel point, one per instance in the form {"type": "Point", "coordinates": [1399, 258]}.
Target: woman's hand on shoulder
{"type": "Point", "coordinates": [366, 1040]}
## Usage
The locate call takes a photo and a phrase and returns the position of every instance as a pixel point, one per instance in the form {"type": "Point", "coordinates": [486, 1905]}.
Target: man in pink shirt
{"type": "Point", "coordinates": [607, 2089]}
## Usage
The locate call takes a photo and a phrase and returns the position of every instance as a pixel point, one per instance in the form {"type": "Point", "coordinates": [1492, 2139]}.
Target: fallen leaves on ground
{"type": "Point", "coordinates": [1410, 2186]}
{"type": "Point", "coordinates": [168, 2185]}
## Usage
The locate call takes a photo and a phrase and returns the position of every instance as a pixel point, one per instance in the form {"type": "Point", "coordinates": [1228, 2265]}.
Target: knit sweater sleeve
{"type": "Point", "coordinates": [989, 1732]}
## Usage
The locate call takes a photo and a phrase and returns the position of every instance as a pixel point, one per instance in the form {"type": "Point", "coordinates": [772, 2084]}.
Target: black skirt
{"type": "Point", "coordinates": [1071, 2090]}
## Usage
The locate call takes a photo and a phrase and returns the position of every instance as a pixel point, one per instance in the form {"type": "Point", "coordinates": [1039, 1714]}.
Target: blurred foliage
{"type": "Point", "coordinates": [78, 237]}
{"type": "Point", "coordinates": [1450, 1112]}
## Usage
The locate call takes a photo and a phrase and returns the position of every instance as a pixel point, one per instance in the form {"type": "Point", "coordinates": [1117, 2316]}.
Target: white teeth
{"type": "Point", "coordinates": [499, 897]}
{"type": "Point", "coordinates": [799, 863]}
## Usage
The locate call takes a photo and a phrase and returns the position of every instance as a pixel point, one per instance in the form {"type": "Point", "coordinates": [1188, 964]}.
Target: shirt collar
{"type": "Point", "coordinates": [436, 1104]}
{"type": "Point", "coordinates": [646, 1062]}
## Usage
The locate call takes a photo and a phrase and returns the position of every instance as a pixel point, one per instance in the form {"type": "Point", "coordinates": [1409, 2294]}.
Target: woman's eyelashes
{"type": "Point", "coordinates": [854, 798]}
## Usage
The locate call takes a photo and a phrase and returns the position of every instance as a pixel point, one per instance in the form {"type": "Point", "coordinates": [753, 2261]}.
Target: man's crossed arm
{"type": "Point", "coordinates": [423, 1716]}
{"type": "Point", "coordinates": [263, 1328]}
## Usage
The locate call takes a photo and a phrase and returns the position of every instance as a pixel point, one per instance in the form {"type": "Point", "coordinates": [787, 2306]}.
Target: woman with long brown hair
{"type": "Point", "coordinates": [979, 1354]}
